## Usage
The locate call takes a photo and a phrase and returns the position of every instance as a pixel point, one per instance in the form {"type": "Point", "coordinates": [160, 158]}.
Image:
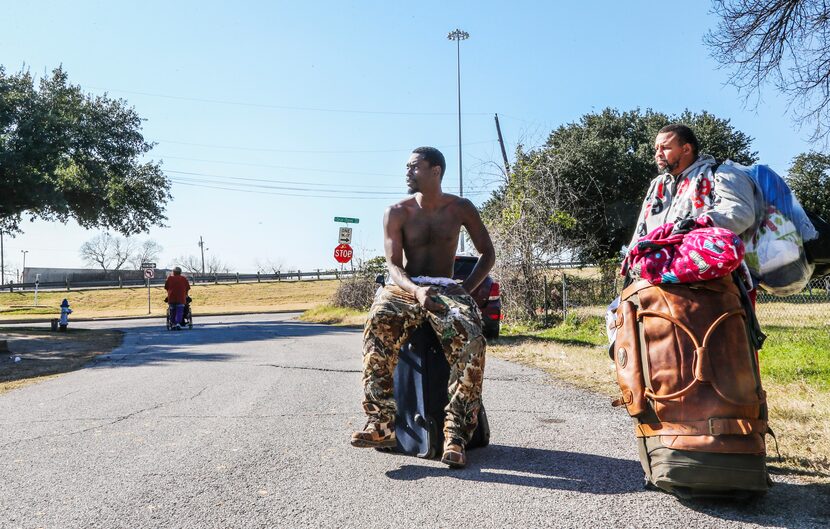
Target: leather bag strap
{"type": "Point", "coordinates": [715, 285]}
{"type": "Point", "coordinates": [713, 426]}
{"type": "Point", "coordinates": [633, 288]}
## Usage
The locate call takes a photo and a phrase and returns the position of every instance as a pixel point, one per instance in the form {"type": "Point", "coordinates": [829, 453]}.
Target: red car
{"type": "Point", "coordinates": [487, 295]}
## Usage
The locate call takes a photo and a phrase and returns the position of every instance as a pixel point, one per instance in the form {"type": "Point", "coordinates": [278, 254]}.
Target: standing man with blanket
{"type": "Point", "coordinates": [689, 187]}
{"type": "Point", "coordinates": [420, 239]}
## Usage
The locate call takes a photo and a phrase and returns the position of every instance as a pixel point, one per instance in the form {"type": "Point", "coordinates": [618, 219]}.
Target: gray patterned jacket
{"type": "Point", "coordinates": [728, 196]}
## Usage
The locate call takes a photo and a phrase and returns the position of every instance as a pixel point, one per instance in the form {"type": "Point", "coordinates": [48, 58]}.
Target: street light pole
{"type": "Point", "coordinates": [458, 35]}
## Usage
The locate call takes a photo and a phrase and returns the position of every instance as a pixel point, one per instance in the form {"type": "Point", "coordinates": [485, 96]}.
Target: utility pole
{"type": "Point", "coordinates": [202, 247]}
{"type": "Point", "coordinates": [2, 262]}
{"type": "Point", "coordinates": [458, 36]}
{"type": "Point", "coordinates": [503, 151]}
{"type": "Point", "coordinates": [24, 252]}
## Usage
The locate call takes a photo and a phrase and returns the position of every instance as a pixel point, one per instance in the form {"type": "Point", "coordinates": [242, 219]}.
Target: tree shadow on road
{"type": "Point", "coordinates": [535, 467]}
{"type": "Point", "coordinates": [156, 345]}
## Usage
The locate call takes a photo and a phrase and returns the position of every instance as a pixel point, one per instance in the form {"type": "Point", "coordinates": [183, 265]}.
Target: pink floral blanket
{"type": "Point", "coordinates": [701, 254]}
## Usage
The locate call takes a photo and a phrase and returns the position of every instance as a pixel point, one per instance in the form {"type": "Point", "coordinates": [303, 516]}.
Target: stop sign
{"type": "Point", "coordinates": [343, 253]}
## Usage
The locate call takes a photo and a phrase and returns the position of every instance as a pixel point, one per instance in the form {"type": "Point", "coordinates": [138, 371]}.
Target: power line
{"type": "Point", "coordinates": [241, 189]}
{"type": "Point", "coordinates": [267, 180]}
{"type": "Point", "coordinates": [283, 107]}
{"type": "Point", "coordinates": [206, 186]}
{"type": "Point", "coordinates": [297, 151]}
{"type": "Point", "coordinates": [243, 182]}
{"type": "Point", "coordinates": [290, 168]}
{"type": "Point", "coordinates": [282, 188]}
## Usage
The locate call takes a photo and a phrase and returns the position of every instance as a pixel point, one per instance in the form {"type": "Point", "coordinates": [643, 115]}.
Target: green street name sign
{"type": "Point", "coordinates": [347, 220]}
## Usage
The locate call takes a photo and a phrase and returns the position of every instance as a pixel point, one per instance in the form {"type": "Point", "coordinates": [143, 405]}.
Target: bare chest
{"type": "Point", "coordinates": [436, 229]}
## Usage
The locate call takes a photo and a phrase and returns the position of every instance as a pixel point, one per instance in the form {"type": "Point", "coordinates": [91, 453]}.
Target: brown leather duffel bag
{"type": "Point", "coordinates": [689, 377]}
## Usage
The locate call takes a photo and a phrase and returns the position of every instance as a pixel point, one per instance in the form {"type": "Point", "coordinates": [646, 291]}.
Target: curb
{"type": "Point", "coordinates": [148, 317]}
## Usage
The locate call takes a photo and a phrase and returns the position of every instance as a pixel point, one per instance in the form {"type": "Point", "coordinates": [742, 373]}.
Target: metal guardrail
{"type": "Point", "coordinates": [68, 284]}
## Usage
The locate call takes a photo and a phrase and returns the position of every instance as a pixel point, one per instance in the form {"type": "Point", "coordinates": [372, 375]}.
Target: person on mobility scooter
{"type": "Point", "coordinates": [178, 302]}
{"type": "Point", "coordinates": [420, 237]}
{"type": "Point", "coordinates": [187, 316]}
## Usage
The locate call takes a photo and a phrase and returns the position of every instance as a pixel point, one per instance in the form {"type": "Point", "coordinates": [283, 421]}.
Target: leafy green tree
{"type": "Point", "coordinates": [809, 179]}
{"type": "Point", "coordinates": [65, 154]}
{"type": "Point", "coordinates": [375, 265]}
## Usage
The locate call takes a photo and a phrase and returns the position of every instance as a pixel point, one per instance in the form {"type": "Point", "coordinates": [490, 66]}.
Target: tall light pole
{"type": "Point", "coordinates": [458, 36]}
{"type": "Point", "coordinates": [24, 252]}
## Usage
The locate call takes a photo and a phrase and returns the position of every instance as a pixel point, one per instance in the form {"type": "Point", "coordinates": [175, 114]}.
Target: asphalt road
{"type": "Point", "coordinates": [244, 421]}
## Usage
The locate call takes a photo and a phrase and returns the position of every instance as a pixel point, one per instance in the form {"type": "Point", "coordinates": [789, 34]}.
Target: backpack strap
{"type": "Point", "coordinates": [715, 285]}
{"type": "Point", "coordinates": [713, 426]}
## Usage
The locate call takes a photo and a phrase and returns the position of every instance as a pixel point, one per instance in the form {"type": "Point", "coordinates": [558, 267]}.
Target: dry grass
{"type": "Point", "coordinates": [331, 315]}
{"type": "Point", "coordinates": [794, 314]}
{"type": "Point", "coordinates": [585, 366]}
{"type": "Point", "coordinates": [207, 299]}
{"type": "Point", "coordinates": [43, 354]}
{"type": "Point", "coordinates": [800, 417]}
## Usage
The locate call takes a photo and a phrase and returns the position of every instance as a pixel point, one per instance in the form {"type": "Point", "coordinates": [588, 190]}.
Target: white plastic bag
{"type": "Point", "coordinates": [775, 254]}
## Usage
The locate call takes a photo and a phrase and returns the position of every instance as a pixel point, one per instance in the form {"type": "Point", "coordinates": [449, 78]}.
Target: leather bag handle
{"type": "Point", "coordinates": [701, 365]}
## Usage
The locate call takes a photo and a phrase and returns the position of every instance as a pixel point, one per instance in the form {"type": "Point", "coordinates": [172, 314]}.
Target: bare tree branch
{"type": "Point", "coordinates": [123, 250]}
{"type": "Point", "coordinates": [785, 43]}
{"type": "Point", "coordinates": [98, 251]}
{"type": "Point", "coordinates": [189, 263]}
{"type": "Point", "coordinates": [149, 251]}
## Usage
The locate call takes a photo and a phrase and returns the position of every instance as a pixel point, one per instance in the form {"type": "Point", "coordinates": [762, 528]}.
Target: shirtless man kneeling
{"type": "Point", "coordinates": [420, 238]}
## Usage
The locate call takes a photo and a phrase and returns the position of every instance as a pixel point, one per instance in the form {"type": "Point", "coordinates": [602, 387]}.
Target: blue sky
{"type": "Point", "coordinates": [328, 99]}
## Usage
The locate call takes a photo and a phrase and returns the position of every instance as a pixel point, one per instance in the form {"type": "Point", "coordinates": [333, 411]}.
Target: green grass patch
{"type": "Point", "coordinates": [797, 355]}
{"type": "Point", "coordinates": [575, 330]}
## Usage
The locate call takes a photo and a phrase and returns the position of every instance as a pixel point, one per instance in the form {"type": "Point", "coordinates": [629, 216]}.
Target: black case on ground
{"type": "Point", "coordinates": [420, 391]}
{"type": "Point", "coordinates": [818, 249]}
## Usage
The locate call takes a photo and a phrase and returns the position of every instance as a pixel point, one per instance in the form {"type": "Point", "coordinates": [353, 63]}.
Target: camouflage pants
{"type": "Point", "coordinates": [392, 318]}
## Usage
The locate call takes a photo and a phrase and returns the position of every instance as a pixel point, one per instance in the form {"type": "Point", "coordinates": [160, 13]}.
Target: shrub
{"type": "Point", "coordinates": [356, 292]}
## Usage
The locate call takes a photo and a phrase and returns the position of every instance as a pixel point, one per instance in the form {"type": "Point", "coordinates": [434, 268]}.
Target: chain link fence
{"type": "Point", "coordinates": [810, 308]}
{"type": "Point", "coordinates": [586, 293]}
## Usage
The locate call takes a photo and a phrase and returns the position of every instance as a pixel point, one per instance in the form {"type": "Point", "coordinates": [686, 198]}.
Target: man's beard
{"type": "Point", "coordinates": [666, 166]}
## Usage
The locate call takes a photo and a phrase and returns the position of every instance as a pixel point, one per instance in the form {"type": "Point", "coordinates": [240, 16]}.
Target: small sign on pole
{"type": "Point", "coordinates": [347, 220]}
{"type": "Point", "coordinates": [149, 273]}
{"type": "Point", "coordinates": [345, 236]}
